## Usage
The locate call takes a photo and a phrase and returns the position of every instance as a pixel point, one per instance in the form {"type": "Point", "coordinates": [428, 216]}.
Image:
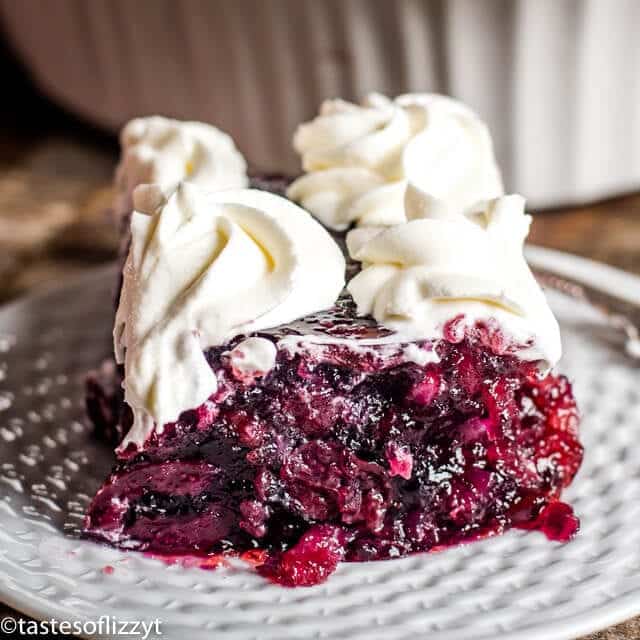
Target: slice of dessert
{"type": "Point", "coordinates": [414, 412]}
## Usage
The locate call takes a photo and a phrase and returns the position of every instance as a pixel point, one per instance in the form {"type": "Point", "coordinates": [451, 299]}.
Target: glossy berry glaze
{"type": "Point", "coordinates": [347, 451]}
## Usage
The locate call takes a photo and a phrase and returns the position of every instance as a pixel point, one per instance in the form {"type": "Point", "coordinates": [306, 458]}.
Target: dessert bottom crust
{"type": "Point", "coordinates": [333, 457]}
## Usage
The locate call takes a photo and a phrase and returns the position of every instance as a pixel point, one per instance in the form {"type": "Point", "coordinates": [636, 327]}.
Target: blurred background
{"type": "Point", "coordinates": [557, 81]}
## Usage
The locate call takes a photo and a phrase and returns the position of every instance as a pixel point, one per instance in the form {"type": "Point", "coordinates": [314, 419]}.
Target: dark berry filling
{"type": "Point", "coordinates": [339, 455]}
{"type": "Point", "coordinates": [104, 401]}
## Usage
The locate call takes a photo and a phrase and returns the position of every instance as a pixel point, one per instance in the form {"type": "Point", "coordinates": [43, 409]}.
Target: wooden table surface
{"type": "Point", "coordinates": [55, 192]}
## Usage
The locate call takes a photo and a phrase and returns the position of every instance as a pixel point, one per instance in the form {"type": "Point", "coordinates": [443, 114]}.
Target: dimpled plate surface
{"type": "Point", "coordinates": [518, 586]}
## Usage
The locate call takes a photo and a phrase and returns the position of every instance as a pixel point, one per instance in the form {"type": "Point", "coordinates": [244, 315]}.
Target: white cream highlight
{"type": "Point", "coordinates": [204, 267]}
{"type": "Point", "coordinates": [253, 358]}
{"type": "Point", "coordinates": [359, 158]}
{"type": "Point", "coordinates": [418, 275]}
{"type": "Point", "coordinates": [165, 152]}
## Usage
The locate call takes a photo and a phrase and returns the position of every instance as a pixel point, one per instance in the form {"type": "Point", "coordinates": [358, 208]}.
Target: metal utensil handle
{"type": "Point", "coordinates": [622, 314]}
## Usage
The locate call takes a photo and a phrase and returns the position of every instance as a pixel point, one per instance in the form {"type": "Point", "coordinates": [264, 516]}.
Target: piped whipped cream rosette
{"type": "Point", "coordinates": [438, 265]}
{"type": "Point", "coordinates": [166, 152]}
{"type": "Point", "coordinates": [358, 159]}
{"type": "Point", "coordinates": [204, 267]}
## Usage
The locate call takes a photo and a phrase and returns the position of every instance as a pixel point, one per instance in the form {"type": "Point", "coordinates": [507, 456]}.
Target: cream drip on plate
{"type": "Point", "coordinates": [358, 159]}
{"type": "Point", "coordinates": [418, 275]}
{"type": "Point", "coordinates": [204, 267]}
{"type": "Point", "coordinates": [165, 152]}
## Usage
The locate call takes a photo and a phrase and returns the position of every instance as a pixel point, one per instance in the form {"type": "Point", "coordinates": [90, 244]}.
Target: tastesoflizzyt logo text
{"type": "Point", "coordinates": [104, 625]}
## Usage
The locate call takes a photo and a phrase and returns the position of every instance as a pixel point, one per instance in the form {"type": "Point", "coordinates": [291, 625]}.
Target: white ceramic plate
{"type": "Point", "coordinates": [519, 586]}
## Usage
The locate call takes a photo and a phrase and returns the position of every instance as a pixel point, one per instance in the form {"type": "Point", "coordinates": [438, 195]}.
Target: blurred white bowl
{"type": "Point", "coordinates": [558, 81]}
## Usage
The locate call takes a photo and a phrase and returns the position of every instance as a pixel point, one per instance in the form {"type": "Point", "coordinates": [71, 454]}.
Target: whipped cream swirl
{"type": "Point", "coordinates": [358, 159]}
{"type": "Point", "coordinates": [163, 151]}
{"type": "Point", "coordinates": [440, 265]}
{"type": "Point", "coordinates": [204, 267]}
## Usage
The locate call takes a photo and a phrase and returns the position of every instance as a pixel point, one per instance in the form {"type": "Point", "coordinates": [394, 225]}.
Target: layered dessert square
{"type": "Point", "coordinates": [271, 413]}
